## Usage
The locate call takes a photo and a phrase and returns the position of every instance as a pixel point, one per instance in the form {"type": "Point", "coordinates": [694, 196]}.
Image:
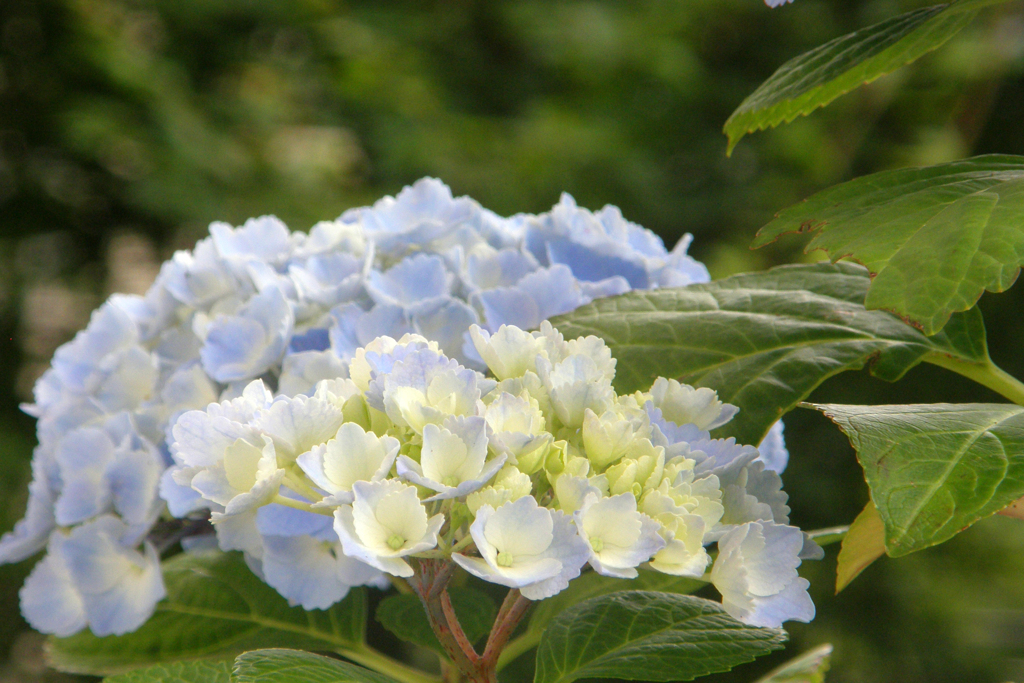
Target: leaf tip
{"type": "Point", "coordinates": [733, 141]}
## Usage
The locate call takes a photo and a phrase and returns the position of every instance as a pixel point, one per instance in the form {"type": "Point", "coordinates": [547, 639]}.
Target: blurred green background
{"type": "Point", "coordinates": [127, 126]}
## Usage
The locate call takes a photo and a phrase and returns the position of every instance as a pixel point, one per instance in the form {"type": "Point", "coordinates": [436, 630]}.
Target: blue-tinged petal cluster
{"type": "Point", "coordinates": [261, 302]}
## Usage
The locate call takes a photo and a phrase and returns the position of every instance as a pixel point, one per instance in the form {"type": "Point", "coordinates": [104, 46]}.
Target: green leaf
{"type": "Point", "coordinates": [294, 666]}
{"type": "Point", "coordinates": [815, 78]}
{"type": "Point", "coordinates": [765, 340]}
{"type": "Point", "coordinates": [864, 543]}
{"type": "Point", "coordinates": [404, 616]}
{"type": "Point", "coordinates": [810, 667]}
{"type": "Point", "coordinates": [933, 238]}
{"type": "Point", "coordinates": [592, 584]}
{"type": "Point", "coordinates": [177, 672]}
{"type": "Point", "coordinates": [934, 470]}
{"type": "Point", "coordinates": [644, 635]}
{"type": "Point", "coordinates": [215, 608]}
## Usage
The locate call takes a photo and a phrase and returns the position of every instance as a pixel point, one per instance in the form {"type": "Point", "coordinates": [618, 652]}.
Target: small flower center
{"type": "Point", "coordinates": [395, 541]}
{"type": "Point", "coordinates": [504, 559]}
{"type": "Point", "coordinates": [451, 480]}
{"type": "Point", "coordinates": [597, 544]}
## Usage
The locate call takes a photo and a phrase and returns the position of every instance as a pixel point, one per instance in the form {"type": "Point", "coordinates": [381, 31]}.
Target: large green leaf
{"type": "Point", "coordinates": [592, 584]}
{"type": "Point", "coordinates": [815, 78]}
{"type": "Point", "coordinates": [404, 616]}
{"type": "Point", "coordinates": [934, 470]}
{"type": "Point", "coordinates": [177, 672]}
{"type": "Point", "coordinates": [294, 666]}
{"type": "Point", "coordinates": [650, 636]}
{"type": "Point", "coordinates": [765, 340]}
{"type": "Point", "coordinates": [810, 667]}
{"type": "Point", "coordinates": [933, 238]}
{"type": "Point", "coordinates": [215, 608]}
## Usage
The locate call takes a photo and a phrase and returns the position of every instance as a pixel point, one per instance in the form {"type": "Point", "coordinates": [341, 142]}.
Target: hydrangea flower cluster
{"type": "Point", "coordinates": [291, 310]}
{"type": "Point", "coordinates": [521, 479]}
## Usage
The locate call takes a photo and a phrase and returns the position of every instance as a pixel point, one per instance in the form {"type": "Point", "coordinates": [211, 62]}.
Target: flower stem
{"type": "Point", "coordinates": [299, 505]}
{"type": "Point", "coordinates": [295, 479]}
{"type": "Point", "coordinates": [453, 623]}
{"type": "Point", "coordinates": [987, 374]}
{"type": "Point", "coordinates": [461, 545]}
{"type": "Point", "coordinates": [430, 583]}
{"type": "Point", "coordinates": [513, 609]}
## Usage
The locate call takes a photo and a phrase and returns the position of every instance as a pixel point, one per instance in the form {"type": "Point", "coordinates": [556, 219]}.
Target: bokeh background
{"type": "Point", "coordinates": [126, 126]}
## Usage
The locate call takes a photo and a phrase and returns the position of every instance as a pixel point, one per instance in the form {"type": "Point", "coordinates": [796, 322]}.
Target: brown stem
{"type": "Point", "coordinates": [431, 581]}
{"type": "Point", "coordinates": [431, 584]}
{"type": "Point", "coordinates": [456, 627]}
{"type": "Point", "coordinates": [512, 611]}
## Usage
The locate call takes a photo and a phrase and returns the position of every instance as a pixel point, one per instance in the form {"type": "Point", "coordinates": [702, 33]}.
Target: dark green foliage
{"type": "Point", "coordinates": [648, 636]}
{"type": "Point", "coordinates": [403, 615]}
{"type": "Point", "coordinates": [764, 341]}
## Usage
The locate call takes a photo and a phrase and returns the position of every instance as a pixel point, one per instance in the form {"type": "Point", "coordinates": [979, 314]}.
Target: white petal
{"type": "Point", "coordinates": [298, 424]}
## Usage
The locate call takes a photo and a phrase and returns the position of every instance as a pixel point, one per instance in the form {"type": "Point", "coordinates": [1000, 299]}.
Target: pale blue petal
{"type": "Point", "coordinates": [681, 269]}
{"type": "Point", "coordinates": [766, 486]}
{"type": "Point", "coordinates": [722, 457]}
{"type": "Point", "coordinates": [355, 328]}
{"type": "Point", "coordinates": [110, 329]}
{"type": "Point", "coordinates": [265, 239]}
{"type": "Point", "coordinates": [238, 532]}
{"type": "Point", "coordinates": [31, 532]}
{"type": "Point", "coordinates": [131, 603]}
{"type": "Point", "coordinates": [416, 279]}
{"type": "Point", "coordinates": [598, 261]}
{"type": "Point", "coordinates": [303, 570]}
{"type": "Point", "coordinates": [793, 603]}
{"type": "Point", "coordinates": [315, 339]}
{"type": "Point", "coordinates": [200, 278]}
{"type": "Point", "coordinates": [248, 344]}
{"type": "Point", "coordinates": [502, 268]}
{"type": "Point", "coordinates": [50, 602]}
{"type": "Point", "coordinates": [181, 500]}
{"type": "Point", "coordinates": [134, 479]}
{"type": "Point", "coordinates": [281, 520]}
{"type": "Point", "coordinates": [773, 449]}
{"type": "Point", "coordinates": [554, 289]}
{"type": "Point", "coordinates": [83, 456]}
{"type": "Point", "coordinates": [612, 286]}
{"type": "Point", "coordinates": [447, 323]}
{"type": "Point", "coordinates": [508, 306]}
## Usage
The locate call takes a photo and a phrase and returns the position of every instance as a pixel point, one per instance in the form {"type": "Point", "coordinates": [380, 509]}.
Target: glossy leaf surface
{"type": "Point", "coordinates": [934, 238]}
{"type": "Point", "coordinates": [646, 635]}
{"type": "Point", "coordinates": [935, 469]}
{"type": "Point", "coordinates": [765, 340]}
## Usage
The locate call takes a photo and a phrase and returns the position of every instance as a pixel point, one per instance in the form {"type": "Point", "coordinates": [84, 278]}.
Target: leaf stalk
{"type": "Point", "coordinates": [987, 374]}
